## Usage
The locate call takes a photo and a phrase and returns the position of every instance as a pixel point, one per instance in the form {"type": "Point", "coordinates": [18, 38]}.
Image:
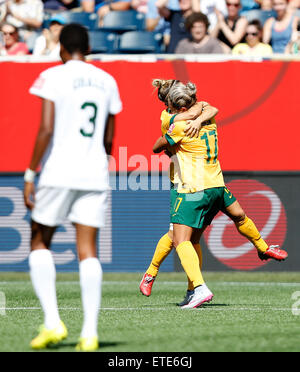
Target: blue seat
{"type": "Point", "coordinates": [122, 21]}
{"type": "Point", "coordinates": [261, 15]}
{"type": "Point", "coordinates": [102, 41]}
{"type": "Point", "coordinates": [140, 42]}
{"type": "Point", "coordinates": [89, 20]}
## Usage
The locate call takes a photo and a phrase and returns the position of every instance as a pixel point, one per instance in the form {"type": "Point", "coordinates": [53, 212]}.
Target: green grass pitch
{"type": "Point", "coordinates": [250, 312]}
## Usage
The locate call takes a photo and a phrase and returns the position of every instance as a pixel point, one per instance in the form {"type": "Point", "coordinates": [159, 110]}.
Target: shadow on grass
{"type": "Point", "coordinates": [204, 305]}
{"type": "Point", "coordinates": [68, 345]}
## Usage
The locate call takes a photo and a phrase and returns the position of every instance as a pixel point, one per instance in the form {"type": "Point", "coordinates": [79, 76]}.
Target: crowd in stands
{"type": "Point", "coordinates": [238, 27]}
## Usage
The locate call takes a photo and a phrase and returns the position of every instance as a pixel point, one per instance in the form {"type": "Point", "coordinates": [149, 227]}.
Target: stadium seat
{"type": "Point", "coordinates": [89, 20]}
{"type": "Point", "coordinates": [102, 41]}
{"type": "Point", "coordinates": [261, 15]}
{"type": "Point", "coordinates": [140, 42]}
{"type": "Point", "coordinates": [122, 21]}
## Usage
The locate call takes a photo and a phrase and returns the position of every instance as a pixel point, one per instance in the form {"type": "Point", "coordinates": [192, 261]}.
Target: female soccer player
{"type": "Point", "coordinates": [230, 207]}
{"type": "Point", "coordinates": [79, 102]}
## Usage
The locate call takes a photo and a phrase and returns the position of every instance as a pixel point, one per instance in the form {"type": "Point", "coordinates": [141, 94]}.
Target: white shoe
{"type": "Point", "coordinates": [201, 295]}
{"type": "Point", "coordinates": [188, 296]}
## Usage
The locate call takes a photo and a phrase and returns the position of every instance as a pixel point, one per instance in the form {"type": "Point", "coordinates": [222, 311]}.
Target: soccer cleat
{"type": "Point", "coordinates": [49, 336]}
{"type": "Point", "coordinates": [273, 252]}
{"type": "Point", "coordinates": [201, 295]}
{"type": "Point", "coordinates": [187, 298]}
{"type": "Point", "coordinates": [87, 344]}
{"type": "Point", "coordinates": [146, 284]}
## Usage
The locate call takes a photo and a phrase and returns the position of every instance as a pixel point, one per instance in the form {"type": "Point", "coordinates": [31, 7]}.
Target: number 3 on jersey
{"type": "Point", "coordinates": [92, 119]}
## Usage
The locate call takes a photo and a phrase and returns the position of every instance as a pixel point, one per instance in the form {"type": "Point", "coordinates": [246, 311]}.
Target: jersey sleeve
{"type": "Point", "coordinates": [115, 105]}
{"type": "Point", "coordinates": [44, 86]}
{"type": "Point", "coordinates": [176, 132]}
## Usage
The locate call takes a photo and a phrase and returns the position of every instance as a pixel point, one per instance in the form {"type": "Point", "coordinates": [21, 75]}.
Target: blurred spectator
{"type": "Point", "coordinates": [48, 44]}
{"type": "Point", "coordinates": [253, 45]}
{"type": "Point", "coordinates": [27, 17]}
{"type": "Point", "coordinates": [294, 4]}
{"type": "Point", "coordinates": [230, 30]}
{"type": "Point", "coordinates": [294, 45]}
{"type": "Point", "coordinates": [156, 23]}
{"type": "Point", "coordinates": [265, 4]}
{"type": "Point", "coordinates": [60, 5]}
{"type": "Point", "coordinates": [2, 10]}
{"type": "Point", "coordinates": [177, 20]}
{"type": "Point", "coordinates": [208, 8]}
{"type": "Point", "coordinates": [11, 45]}
{"type": "Point", "coordinates": [278, 31]}
{"type": "Point", "coordinates": [140, 5]}
{"type": "Point", "coordinates": [199, 41]}
{"type": "Point", "coordinates": [103, 7]}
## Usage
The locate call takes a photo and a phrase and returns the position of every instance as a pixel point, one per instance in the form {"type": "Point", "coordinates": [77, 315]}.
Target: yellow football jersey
{"type": "Point", "coordinates": [165, 118]}
{"type": "Point", "coordinates": [197, 166]}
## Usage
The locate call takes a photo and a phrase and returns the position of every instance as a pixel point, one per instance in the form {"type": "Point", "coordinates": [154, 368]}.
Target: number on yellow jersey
{"type": "Point", "coordinates": [211, 141]}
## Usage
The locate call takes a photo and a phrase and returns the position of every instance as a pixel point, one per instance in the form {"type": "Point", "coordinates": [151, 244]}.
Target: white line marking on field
{"type": "Point", "coordinates": [205, 308]}
{"type": "Point", "coordinates": [284, 284]}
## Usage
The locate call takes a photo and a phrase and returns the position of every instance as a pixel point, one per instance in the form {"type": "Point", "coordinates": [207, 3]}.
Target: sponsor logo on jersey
{"type": "Point", "coordinates": [172, 126]}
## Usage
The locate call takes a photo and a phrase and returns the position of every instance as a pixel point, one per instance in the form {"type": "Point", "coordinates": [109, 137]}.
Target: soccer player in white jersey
{"type": "Point", "coordinates": [79, 103]}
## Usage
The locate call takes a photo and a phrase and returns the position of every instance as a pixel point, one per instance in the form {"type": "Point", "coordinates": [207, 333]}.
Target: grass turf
{"type": "Point", "coordinates": [250, 312]}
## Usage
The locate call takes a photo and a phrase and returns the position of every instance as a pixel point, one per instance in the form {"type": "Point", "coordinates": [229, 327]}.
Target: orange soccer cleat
{"type": "Point", "coordinates": [273, 252]}
{"type": "Point", "coordinates": [146, 284]}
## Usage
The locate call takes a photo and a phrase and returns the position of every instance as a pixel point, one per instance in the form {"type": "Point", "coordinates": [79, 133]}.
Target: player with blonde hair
{"type": "Point", "coordinates": [231, 207]}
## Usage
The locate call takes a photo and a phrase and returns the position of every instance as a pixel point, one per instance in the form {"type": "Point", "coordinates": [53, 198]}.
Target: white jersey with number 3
{"type": "Point", "coordinates": [83, 95]}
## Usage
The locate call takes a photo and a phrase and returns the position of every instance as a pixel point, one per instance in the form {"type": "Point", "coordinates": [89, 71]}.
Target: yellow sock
{"type": "Point", "coordinates": [198, 250]}
{"type": "Point", "coordinates": [190, 262]}
{"type": "Point", "coordinates": [248, 229]}
{"type": "Point", "coordinates": [163, 248]}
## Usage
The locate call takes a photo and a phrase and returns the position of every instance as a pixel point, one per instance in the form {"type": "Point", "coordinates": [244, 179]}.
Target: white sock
{"type": "Point", "coordinates": [90, 274]}
{"type": "Point", "coordinates": [43, 275]}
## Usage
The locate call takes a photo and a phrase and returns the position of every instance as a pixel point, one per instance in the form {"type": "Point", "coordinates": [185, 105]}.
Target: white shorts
{"type": "Point", "coordinates": [53, 205]}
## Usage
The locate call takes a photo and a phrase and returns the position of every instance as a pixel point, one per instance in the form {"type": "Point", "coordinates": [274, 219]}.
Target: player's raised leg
{"type": "Point", "coordinates": [43, 276]}
{"type": "Point", "coordinates": [247, 228]}
{"type": "Point", "coordinates": [90, 274]}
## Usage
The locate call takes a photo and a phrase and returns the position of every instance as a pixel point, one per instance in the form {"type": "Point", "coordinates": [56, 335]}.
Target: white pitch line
{"type": "Point", "coordinates": [284, 284]}
{"type": "Point", "coordinates": [149, 309]}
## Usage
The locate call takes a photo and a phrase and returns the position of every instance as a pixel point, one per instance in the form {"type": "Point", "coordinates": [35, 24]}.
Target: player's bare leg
{"type": "Point", "coordinates": [43, 275]}
{"type": "Point", "coordinates": [247, 228]}
{"type": "Point", "coordinates": [90, 274]}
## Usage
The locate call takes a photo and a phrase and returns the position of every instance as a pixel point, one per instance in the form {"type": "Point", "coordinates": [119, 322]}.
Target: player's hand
{"type": "Point", "coordinates": [29, 193]}
{"type": "Point", "coordinates": [192, 129]}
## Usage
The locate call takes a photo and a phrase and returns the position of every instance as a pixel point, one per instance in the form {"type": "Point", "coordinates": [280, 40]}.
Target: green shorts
{"type": "Point", "coordinates": [173, 196]}
{"type": "Point", "coordinates": [199, 209]}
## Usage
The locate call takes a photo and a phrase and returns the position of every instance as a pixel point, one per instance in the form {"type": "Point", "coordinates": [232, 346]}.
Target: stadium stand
{"type": "Point", "coordinates": [140, 42]}
{"type": "Point", "coordinates": [89, 20]}
{"type": "Point", "coordinates": [103, 42]}
{"type": "Point", "coordinates": [122, 21]}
